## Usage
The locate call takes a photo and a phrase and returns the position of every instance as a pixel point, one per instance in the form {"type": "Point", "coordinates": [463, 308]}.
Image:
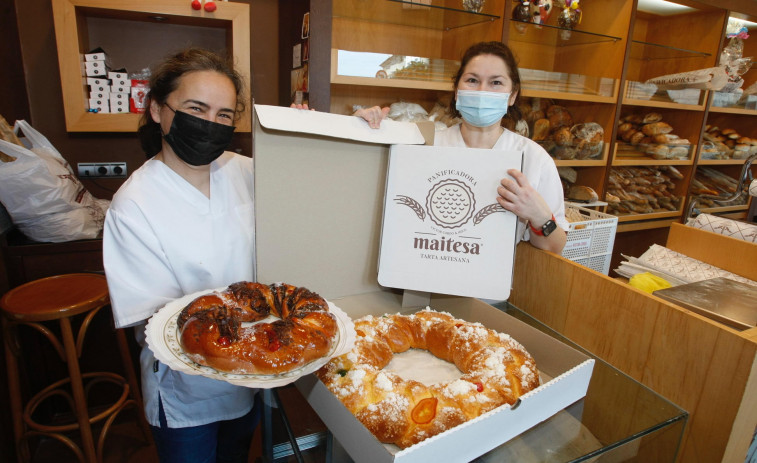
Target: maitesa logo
{"type": "Point", "coordinates": [449, 205]}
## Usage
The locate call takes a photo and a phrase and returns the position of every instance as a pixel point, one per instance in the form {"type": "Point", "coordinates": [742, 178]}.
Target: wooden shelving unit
{"type": "Point", "coordinates": [597, 71]}
{"type": "Point", "coordinates": [231, 21]}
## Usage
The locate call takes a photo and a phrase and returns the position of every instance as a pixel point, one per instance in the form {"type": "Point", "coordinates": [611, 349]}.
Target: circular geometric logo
{"type": "Point", "coordinates": [450, 203]}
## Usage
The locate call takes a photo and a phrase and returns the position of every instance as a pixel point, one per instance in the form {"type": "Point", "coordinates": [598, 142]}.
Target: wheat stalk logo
{"type": "Point", "coordinates": [412, 204]}
{"type": "Point", "coordinates": [488, 210]}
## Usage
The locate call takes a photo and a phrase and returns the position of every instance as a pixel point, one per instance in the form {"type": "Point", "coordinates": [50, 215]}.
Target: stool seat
{"type": "Point", "coordinates": [55, 297]}
{"type": "Point", "coordinates": [58, 299]}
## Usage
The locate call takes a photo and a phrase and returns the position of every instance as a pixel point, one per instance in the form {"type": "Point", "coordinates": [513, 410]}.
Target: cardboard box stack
{"type": "Point", "coordinates": [120, 88]}
{"type": "Point", "coordinates": [111, 91]}
{"type": "Point", "coordinates": [96, 67]}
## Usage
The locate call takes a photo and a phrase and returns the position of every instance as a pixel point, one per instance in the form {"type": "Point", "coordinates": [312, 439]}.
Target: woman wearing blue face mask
{"type": "Point", "coordinates": [487, 87]}
{"type": "Point", "coordinates": [182, 223]}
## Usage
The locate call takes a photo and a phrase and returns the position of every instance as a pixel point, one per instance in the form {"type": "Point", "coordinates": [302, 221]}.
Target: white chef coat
{"type": "Point", "coordinates": [164, 239]}
{"type": "Point", "coordinates": [538, 166]}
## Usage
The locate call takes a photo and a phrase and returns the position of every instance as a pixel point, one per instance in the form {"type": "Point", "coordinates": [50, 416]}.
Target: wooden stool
{"type": "Point", "coordinates": [60, 298]}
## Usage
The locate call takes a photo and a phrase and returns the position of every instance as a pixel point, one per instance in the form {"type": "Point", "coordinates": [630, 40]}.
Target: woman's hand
{"type": "Point", "coordinates": [519, 197]}
{"type": "Point", "coordinates": [300, 106]}
{"type": "Point", "coordinates": [373, 115]}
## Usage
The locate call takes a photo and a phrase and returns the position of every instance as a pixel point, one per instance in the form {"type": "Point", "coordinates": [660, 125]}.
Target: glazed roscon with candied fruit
{"type": "Point", "coordinates": [211, 331]}
{"type": "Point", "coordinates": [496, 369]}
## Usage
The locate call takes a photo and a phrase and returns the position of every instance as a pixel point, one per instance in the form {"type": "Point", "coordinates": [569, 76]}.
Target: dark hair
{"type": "Point", "coordinates": [165, 79]}
{"type": "Point", "coordinates": [502, 51]}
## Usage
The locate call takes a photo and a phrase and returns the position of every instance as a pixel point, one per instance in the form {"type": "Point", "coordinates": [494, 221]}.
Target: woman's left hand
{"type": "Point", "coordinates": [519, 197]}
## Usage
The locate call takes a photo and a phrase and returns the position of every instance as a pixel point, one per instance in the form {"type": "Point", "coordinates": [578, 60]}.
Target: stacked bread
{"type": "Point", "coordinates": [726, 143]}
{"type": "Point", "coordinates": [552, 126]}
{"type": "Point", "coordinates": [642, 190]}
{"type": "Point", "coordinates": [650, 135]}
{"type": "Point", "coordinates": [711, 182]}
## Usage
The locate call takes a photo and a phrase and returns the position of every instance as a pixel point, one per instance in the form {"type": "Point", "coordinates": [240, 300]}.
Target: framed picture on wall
{"type": "Point", "coordinates": [297, 56]}
{"type": "Point", "coordinates": [306, 25]}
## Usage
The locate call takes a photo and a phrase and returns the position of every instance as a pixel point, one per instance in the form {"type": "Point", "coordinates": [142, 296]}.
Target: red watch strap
{"type": "Point", "coordinates": [538, 230]}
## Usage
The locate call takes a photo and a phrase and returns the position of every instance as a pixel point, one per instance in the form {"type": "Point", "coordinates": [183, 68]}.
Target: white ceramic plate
{"type": "Point", "coordinates": [162, 338]}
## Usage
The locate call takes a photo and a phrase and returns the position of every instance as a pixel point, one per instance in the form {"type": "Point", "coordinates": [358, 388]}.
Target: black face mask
{"type": "Point", "coordinates": [196, 141]}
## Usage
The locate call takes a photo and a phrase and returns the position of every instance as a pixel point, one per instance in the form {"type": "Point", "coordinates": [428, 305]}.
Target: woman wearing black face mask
{"type": "Point", "coordinates": [182, 223]}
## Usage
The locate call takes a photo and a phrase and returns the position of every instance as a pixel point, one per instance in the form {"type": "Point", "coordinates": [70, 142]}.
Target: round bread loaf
{"type": "Point", "coordinates": [496, 370]}
{"type": "Point", "coordinates": [211, 331]}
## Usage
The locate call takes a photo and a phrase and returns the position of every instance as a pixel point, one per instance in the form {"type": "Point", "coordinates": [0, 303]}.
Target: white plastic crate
{"type": "Point", "coordinates": [590, 241]}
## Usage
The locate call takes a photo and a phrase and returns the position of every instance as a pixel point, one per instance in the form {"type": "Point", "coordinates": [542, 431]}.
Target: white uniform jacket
{"type": "Point", "coordinates": [164, 239]}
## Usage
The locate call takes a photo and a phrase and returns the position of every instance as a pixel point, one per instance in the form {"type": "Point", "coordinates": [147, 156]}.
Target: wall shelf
{"type": "Point", "coordinates": [647, 51]}
{"type": "Point", "coordinates": [72, 30]}
{"type": "Point", "coordinates": [555, 36]}
{"type": "Point", "coordinates": [430, 15]}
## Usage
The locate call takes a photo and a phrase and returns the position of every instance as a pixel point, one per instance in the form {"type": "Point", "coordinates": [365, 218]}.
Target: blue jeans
{"type": "Point", "coordinates": [220, 442]}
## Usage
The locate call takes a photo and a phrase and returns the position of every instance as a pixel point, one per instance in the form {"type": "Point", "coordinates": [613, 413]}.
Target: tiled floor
{"type": "Point", "coordinates": [126, 444]}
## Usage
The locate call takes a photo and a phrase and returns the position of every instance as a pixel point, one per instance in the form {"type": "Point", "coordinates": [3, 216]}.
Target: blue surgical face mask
{"type": "Point", "coordinates": [482, 109]}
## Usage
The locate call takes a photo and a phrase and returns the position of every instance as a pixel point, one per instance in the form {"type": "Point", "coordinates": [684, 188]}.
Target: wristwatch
{"type": "Point", "coordinates": [548, 227]}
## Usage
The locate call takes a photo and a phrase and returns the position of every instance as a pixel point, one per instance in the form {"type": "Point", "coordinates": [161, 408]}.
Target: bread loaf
{"type": "Point", "coordinates": [651, 117]}
{"type": "Point", "coordinates": [656, 128]}
{"type": "Point", "coordinates": [568, 173]}
{"type": "Point", "coordinates": [541, 129]}
{"type": "Point", "coordinates": [582, 193]}
{"type": "Point", "coordinates": [559, 117]}
{"type": "Point", "coordinates": [563, 136]}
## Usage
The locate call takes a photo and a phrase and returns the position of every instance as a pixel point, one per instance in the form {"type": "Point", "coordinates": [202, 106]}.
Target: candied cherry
{"type": "Point", "coordinates": [224, 341]}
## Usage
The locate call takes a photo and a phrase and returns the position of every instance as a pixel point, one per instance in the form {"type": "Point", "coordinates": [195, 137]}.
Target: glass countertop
{"type": "Point", "coordinates": [619, 418]}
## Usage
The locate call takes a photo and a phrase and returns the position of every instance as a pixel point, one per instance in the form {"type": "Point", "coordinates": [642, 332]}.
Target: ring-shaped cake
{"type": "Point", "coordinates": [211, 331]}
{"type": "Point", "coordinates": [496, 370]}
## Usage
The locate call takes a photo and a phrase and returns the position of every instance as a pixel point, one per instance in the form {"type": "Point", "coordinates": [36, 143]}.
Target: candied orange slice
{"type": "Point", "coordinates": [425, 411]}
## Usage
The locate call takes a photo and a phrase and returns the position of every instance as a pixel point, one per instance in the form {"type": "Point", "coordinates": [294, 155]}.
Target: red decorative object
{"type": "Point", "coordinates": [196, 5]}
{"type": "Point", "coordinates": [210, 6]}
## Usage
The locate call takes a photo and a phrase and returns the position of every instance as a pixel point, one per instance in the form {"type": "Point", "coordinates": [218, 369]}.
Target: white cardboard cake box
{"type": "Point", "coordinates": [320, 182]}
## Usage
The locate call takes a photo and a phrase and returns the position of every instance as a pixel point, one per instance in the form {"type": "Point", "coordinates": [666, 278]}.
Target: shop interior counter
{"type": "Point", "coordinates": [706, 367]}
{"type": "Point", "coordinates": [619, 420]}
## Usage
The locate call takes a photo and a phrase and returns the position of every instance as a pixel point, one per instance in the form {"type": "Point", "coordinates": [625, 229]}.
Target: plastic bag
{"type": "Point", "coordinates": [407, 112]}
{"type": "Point", "coordinates": [42, 194]}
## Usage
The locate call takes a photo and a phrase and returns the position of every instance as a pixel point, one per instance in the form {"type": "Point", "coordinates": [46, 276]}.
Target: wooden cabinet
{"type": "Point", "coordinates": [137, 34]}
{"type": "Point", "coordinates": [731, 118]}
{"type": "Point", "coordinates": [425, 38]}
{"type": "Point", "coordinates": [597, 72]}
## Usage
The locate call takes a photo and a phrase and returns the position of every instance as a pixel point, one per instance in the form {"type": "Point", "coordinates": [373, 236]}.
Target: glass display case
{"type": "Point", "coordinates": [619, 419]}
